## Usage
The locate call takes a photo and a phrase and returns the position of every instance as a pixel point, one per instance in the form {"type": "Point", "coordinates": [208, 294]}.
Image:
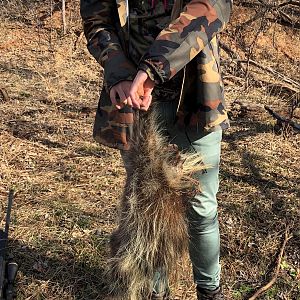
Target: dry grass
{"type": "Point", "coordinates": [67, 186]}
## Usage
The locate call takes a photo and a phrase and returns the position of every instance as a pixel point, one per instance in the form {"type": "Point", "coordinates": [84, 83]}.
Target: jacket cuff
{"type": "Point", "coordinates": [118, 67]}
{"type": "Point", "coordinates": [151, 72]}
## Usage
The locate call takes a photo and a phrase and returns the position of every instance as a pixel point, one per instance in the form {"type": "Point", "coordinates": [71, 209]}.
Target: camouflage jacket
{"type": "Point", "coordinates": [188, 44]}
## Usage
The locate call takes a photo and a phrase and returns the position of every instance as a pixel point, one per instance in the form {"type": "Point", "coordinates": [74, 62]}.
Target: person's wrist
{"type": "Point", "coordinates": [148, 70]}
{"type": "Point", "coordinates": [117, 83]}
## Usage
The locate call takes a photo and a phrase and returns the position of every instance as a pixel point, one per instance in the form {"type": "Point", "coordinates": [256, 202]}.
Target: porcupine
{"type": "Point", "coordinates": [152, 230]}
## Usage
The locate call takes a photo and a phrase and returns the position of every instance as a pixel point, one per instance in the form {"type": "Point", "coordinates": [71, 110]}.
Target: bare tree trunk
{"type": "Point", "coordinates": [64, 16]}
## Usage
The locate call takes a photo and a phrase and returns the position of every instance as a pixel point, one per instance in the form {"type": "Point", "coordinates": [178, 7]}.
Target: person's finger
{"type": "Point", "coordinates": [134, 95]}
{"type": "Point", "coordinates": [146, 103]}
{"type": "Point", "coordinates": [113, 98]}
{"type": "Point", "coordinates": [147, 93]}
{"type": "Point", "coordinates": [137, 90]}
{"type": "Point", "coordinates": [128, 100]}
{"type": "Point", "coordinates": [147, 99]}
{"type": "Point", "coordinates": [135, 99]}
{"type": "Point", "coordinates": [136, 103]}
{"type": "Point", "coordinates": [112, 95]}
{"type": "Point", "coordinates": [122, 96]}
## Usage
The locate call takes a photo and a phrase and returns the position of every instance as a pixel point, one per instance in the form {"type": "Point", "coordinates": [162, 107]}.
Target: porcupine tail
{"type": "Point", "coordinates": [152, 231]}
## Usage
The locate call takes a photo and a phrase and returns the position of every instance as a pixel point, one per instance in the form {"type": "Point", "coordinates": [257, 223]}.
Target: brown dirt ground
{"type": "Point", "coordinates": [67, 186]}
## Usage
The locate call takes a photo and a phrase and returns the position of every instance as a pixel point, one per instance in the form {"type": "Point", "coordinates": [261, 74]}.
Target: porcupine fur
{"type": "Point", "coordinates": [152, 230]}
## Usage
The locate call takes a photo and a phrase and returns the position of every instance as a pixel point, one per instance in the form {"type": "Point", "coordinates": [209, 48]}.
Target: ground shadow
{"type": "Point", "coordinates": [86, 281]}
{"type": "Point", "coordinates": [269, 205]}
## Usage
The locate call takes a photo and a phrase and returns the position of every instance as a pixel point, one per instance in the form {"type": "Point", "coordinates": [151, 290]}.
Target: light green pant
{"type": "Point", "coordinates": [204, 246]}
{"type": "Point", "coordinates": [203, 218]}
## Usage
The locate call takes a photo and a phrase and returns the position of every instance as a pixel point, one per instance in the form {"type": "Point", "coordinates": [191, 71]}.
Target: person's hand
{"type": "Point", "coordinates": [141, 89]}
{"type": "Point", "coordinates": [120, 94]}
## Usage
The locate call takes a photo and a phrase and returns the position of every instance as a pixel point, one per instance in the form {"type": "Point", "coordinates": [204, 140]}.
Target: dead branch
{"type": "Point", "coordinates": [272, 71]}
{"type": "Point", "coordinates": [259, 3]}
{"type": "Point", "coordinates": [241, 109]}
{"type": "Point", "coordinates": [295, 3]}
{"type": "Point", "coordinates": [64, 16]}
{"type": "Point", "coordinates": [258, 16]}
{"type": "Point", "coordinates": [285, 19]}
{"type": "Point", "coordinates": [78, 40]}
{"type": "Point", "coordinates": [276, 9]}
{"type": "Point", "coordinates": [286, 16]}
{"type": "Point", "coordinates": [292, 87]}
{"type": "Point", "coordinates": [282, 120]}
{"type": "Point", "coordinates": [287, 237]}
{"type": "Point", "coordinates": [3, 95]}
{"type": "Point", "coordinates": [280, 89]}
{"type": "Point", "coordinates": [248, 4]}
{"type": "Point", "coordinates": [228, 50]}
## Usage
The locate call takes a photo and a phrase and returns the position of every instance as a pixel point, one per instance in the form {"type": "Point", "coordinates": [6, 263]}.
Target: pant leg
{"type": "Point", "coordinates": [203, 217]}
{"type": "Point", "coordinates": [204, 245]}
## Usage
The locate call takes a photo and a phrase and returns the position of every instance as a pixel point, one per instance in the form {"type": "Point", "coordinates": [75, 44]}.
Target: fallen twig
{"type": "Point", "coordinates": [292, 2]}
{"type": "Point", "coordinates": [3, 95]}
{"type": "Point", "coordinates": [276, 9]}
{"type": "Point", "coordinates": [287, 237]}
{"type": "Point", "coordinates": [286, 83]}
{"type": "Point", "coordinates": [281, 119]}
{"type": "Point", "coordinates": [228, 50]}
{"type": "Point", "coordinates": [64, 16]}
{"type": "Point", "coordinates": [78, 40]}
{"type": "Point", "coordinates": [274, 72]}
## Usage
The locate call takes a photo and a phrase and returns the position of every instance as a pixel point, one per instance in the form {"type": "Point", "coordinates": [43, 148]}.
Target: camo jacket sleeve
{"type": "Point", "coordinates": [185, 37]}
{"type": "Point", "coordinates": [100, 24]}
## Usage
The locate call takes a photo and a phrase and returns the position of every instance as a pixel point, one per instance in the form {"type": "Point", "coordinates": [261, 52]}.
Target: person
{"type": "Point", "coordinates": [167, 52]}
